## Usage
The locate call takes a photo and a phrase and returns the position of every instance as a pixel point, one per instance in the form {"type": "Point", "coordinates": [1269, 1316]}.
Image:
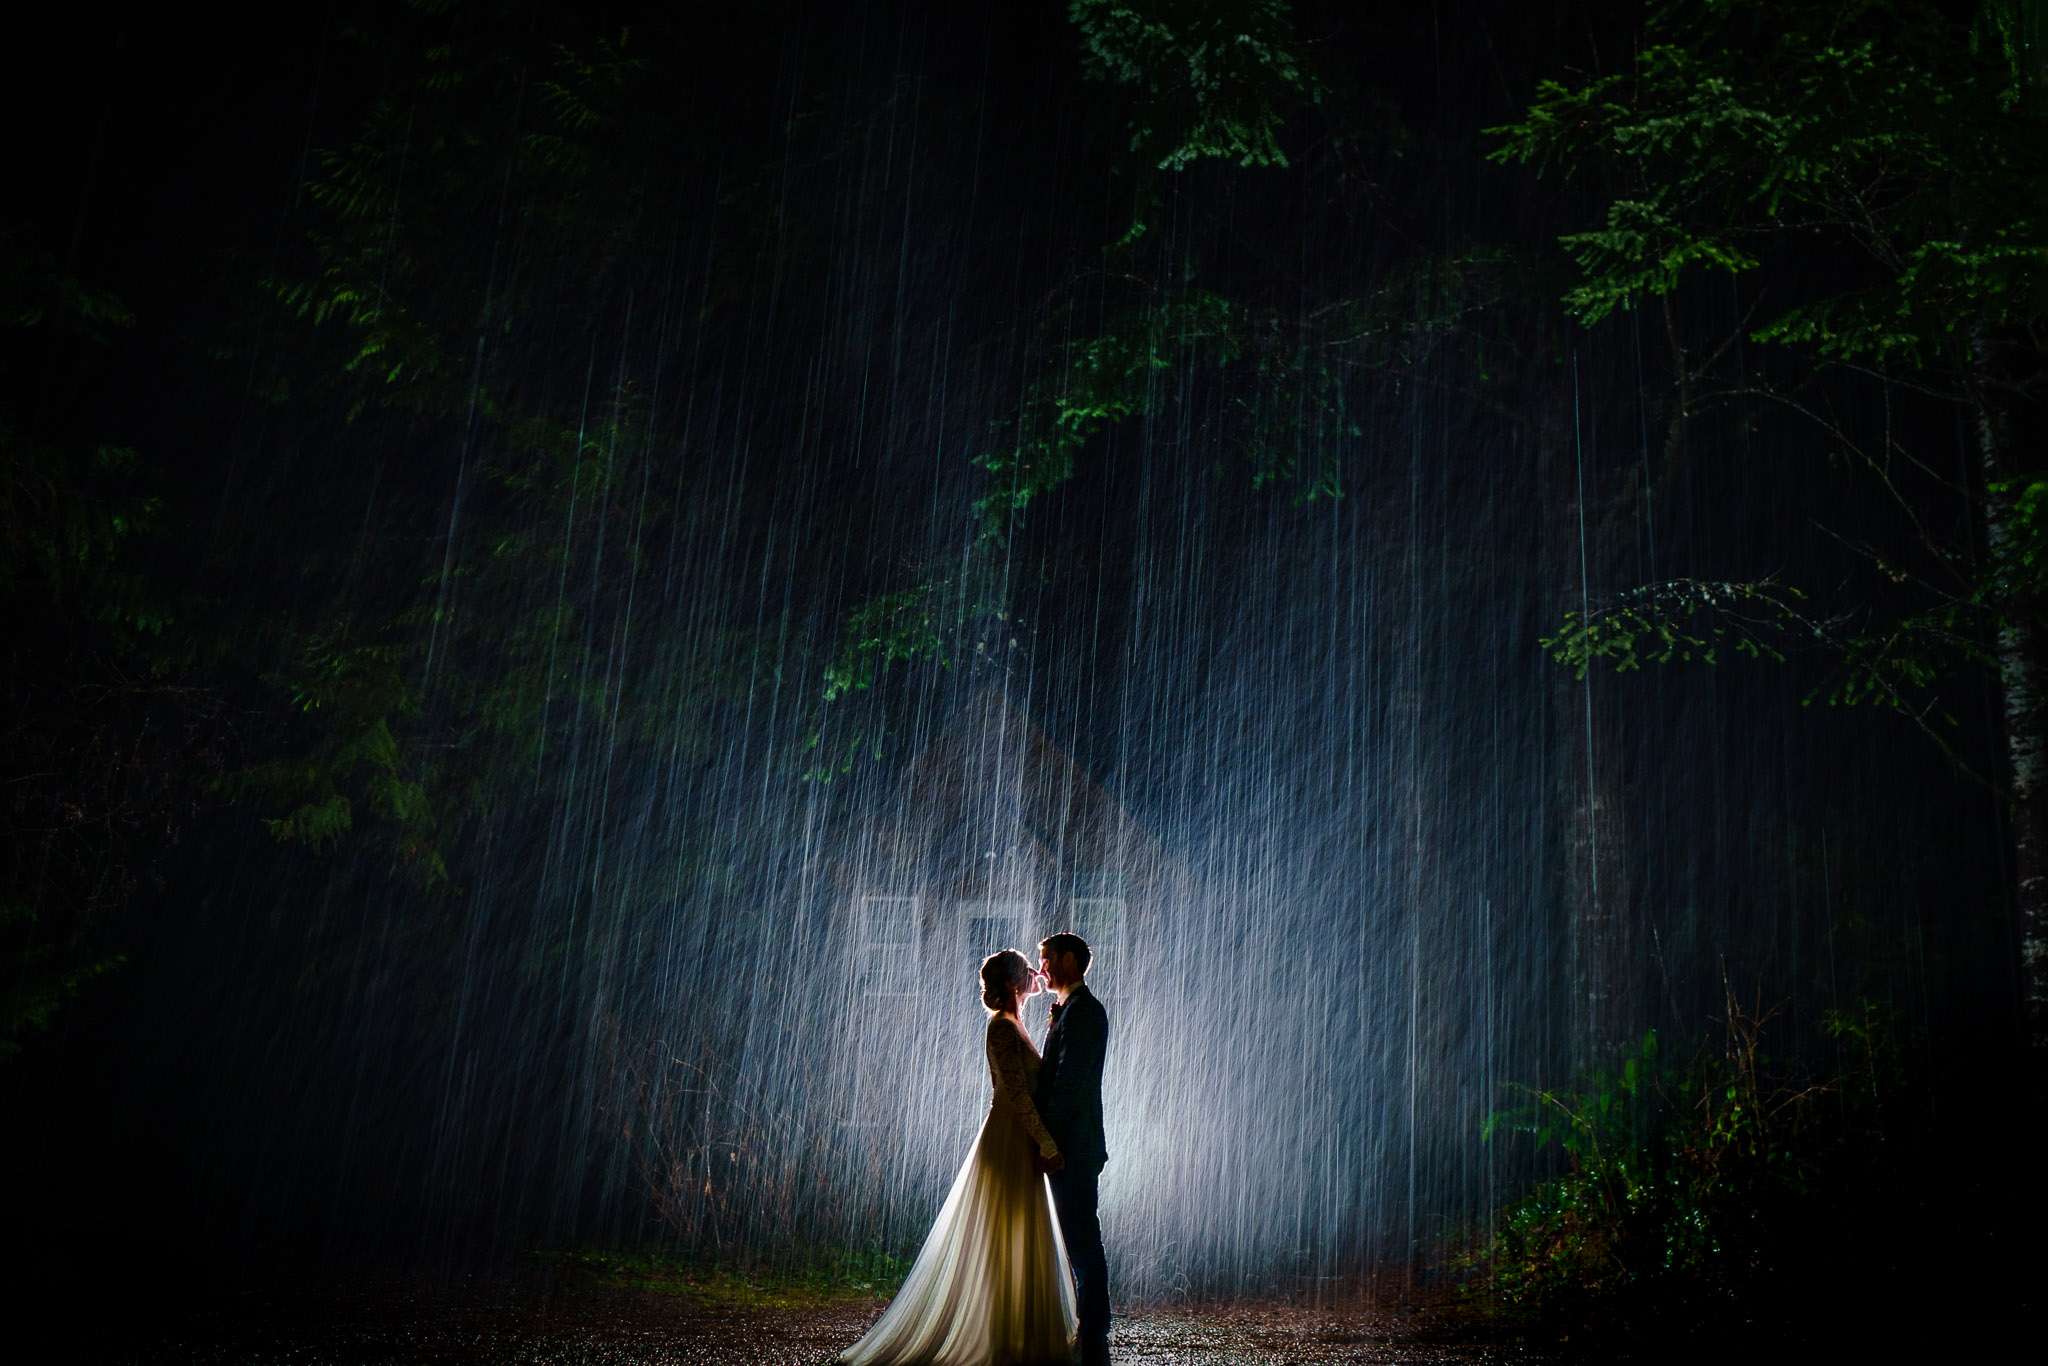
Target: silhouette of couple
{"type": "Point", "coordinates": [1012, 1272]}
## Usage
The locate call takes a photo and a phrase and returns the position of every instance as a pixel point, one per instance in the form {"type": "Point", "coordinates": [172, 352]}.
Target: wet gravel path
{"type": "Point", "coordinates": [526, 1322]}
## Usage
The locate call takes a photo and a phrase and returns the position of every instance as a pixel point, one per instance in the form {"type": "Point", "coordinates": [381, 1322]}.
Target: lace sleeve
{"type": "Point", "coordinates": [1013, 1091]}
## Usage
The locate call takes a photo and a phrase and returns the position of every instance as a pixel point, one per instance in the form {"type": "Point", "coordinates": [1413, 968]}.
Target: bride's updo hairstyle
{"type": "Point", "coordinates": [1001, 975]}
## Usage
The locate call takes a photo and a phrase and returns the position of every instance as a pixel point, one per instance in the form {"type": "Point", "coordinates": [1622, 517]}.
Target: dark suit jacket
{"type": "Point", "coordinates": [1069, 1092]}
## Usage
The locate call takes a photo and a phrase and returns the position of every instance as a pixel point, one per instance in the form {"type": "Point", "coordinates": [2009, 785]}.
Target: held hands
{"type": "Point", "coordinates": [1046, 1166]}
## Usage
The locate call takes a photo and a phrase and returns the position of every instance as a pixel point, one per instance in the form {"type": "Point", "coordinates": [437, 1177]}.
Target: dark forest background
{"type": "Point", "coordinates": [446, 442]}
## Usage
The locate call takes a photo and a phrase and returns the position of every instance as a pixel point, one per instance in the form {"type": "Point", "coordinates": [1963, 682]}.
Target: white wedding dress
{"type": "Point", "coordinates": [991, 1286]}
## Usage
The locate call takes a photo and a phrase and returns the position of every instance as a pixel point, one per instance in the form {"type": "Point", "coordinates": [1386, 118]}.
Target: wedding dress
{"type": "Point", "coordinates": [991, 1286]}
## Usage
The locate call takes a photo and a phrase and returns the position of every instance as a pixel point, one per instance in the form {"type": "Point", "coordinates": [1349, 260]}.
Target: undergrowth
{"type": "Point", "coordinates": [828, 1276]}
{"type": "Point", "coordinates": [1718, 1195]}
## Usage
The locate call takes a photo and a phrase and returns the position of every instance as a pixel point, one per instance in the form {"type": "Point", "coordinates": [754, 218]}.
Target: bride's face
{"type": "Point", "coordinates": [1033, 984]}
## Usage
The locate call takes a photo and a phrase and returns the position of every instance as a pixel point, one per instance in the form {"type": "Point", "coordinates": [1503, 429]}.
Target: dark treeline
{"type": "Point", "coordinates": [491, 490]}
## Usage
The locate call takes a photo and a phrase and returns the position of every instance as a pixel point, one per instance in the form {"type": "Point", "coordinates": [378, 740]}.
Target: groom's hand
{"type": "Point", "coordinates": [1046, 1166]}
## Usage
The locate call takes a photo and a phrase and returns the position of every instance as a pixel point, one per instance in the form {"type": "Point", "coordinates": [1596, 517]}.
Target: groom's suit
{"type": "Point", "coordinates": [1069, 1100]}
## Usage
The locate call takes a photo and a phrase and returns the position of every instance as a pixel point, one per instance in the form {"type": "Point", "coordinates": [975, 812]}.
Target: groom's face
{"type": "Point", "coordinates": [1058, 968]}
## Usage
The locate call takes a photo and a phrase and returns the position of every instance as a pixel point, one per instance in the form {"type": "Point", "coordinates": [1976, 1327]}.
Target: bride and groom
{"type": "Point", "coordinates": [1012, 1272]}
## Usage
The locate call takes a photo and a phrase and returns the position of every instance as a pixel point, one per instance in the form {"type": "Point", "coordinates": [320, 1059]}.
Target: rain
{"type": "Point", "coordinates": [681, 534]}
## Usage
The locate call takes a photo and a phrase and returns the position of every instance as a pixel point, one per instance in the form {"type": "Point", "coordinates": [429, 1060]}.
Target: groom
{"type": "Point", "coordinates": [1069, 1100]}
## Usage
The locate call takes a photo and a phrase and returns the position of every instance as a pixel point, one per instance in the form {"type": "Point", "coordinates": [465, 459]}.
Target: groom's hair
{"type": "Point", "coordinates": [1067, 942]}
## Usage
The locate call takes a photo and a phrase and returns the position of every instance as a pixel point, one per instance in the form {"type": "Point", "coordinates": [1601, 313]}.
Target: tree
{"type": "Point", "coordinates": [1198, 84]}
{"type": "Point", "coordinates": [108, 734]}
{"type": "Point", "coordinates": [1874, 178]}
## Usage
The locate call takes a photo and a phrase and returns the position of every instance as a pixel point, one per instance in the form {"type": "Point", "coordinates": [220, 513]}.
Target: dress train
{"type": "Point", "coordinates": [991, 1286]}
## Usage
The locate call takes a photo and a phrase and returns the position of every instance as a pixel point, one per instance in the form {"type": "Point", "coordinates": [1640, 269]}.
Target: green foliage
{"type": "Point", "coordinates": [1683, 620]}
{"type": "Point", "coordinates": [356, 696]}
{"type": "Point", "coordinates": [941, 621]}
{"type": "Point", "coordinates": [584, 95]}
{"type": "Point", "coordinates": [1129, 369]}
{"type": "Point", "coordinates": [72, 515]}
{"type": "Point", "coordinates": [1293, 413]}
{"type": "Point", "coordinates": [1899, 664]}
{"type": "Point", "coordinates": [1286, 383]}
{"type": "Point", "coordinates": [2018, 569]}
{"type": "Point", "coordinates": [922, 624]}
{"type": "Point", "coordinates": [408, 710]}
{"type": "Point", "coordinates": [1692, 1185]}
{"type": "Point", "coordinates": [1212, 78]}
{"type": "Point", "coordinates": [1096, 382]}
{"type": "Point", "coordinates": [380, 252]}
{"type": "Point", "coordinates": [902, 627]}
{"type": "Point", "coordinates": [88, 678]}
{"type": "Point", "coordinates": [820, 1276]}
{"type": "Point", "coordinates": [406, 723]}
{"type": "Point", "coordinates": [34, 292]}
{"type": "Point", "coordinates": [1878, 133]}
{"type": "Point", "coordinates": [368, 268]}
{"type": "Point", "coordinates": [70, 510]}
{"type": "Point", "coordinates": [1419, 304]}
{"type": "Point", "coordinates": [43, 977]}
{"type": "Point", "coordinates": [1888, 165]}
{"type": "Point", "coordinates": [2014, 33]}
{"type": "Point", "coordinates": [1288, 407]}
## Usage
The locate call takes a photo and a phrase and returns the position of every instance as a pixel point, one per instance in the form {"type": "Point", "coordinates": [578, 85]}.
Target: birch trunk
{"type": "Point", "coordinates": [2003, 401]}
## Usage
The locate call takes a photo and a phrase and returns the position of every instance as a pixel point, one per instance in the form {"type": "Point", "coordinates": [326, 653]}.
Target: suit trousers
{"type": "Point", "coordinates": [1074, 1195]}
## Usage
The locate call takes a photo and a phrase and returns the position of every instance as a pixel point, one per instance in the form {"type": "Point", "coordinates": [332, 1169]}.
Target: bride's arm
{"type": "Point", "coordinates": [1013, 1092]}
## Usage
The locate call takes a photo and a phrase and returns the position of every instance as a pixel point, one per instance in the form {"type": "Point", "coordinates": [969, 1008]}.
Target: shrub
{"type": "Point", "coordinates": [1702, 1196]}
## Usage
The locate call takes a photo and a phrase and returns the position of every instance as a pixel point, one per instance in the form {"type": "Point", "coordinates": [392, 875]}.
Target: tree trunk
{"type": "Point", "coordinates": [2008, 438]}
{"type": "Point", "coordinates": [1605, 1010]}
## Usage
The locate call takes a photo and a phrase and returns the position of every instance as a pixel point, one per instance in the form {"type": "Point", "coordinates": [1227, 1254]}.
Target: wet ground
{"type": "Point", "coordinates": [525, 1321]}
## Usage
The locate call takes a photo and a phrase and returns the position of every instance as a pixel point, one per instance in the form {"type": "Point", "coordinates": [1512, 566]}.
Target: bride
{"type": "Point", "coordinates": [991, 1286]}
